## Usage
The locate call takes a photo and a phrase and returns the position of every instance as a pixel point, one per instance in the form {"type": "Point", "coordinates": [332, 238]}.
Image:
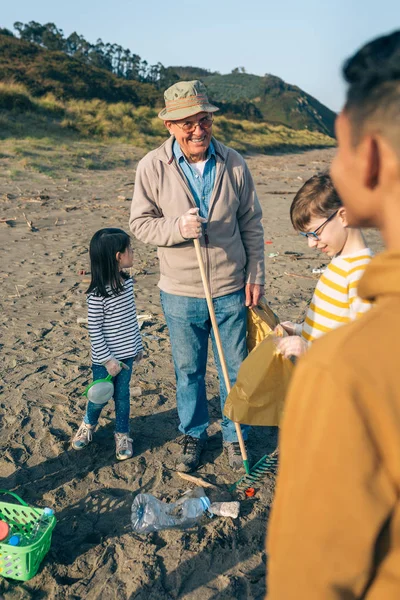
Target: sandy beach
{"type": "Point", "coordinates": [45, 367]}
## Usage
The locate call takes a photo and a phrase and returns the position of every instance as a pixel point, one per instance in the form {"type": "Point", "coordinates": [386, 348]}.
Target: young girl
{"type": "Point", "coordinates": [114, 333]}
{"type": "Point", "coordinates": [317, 213]}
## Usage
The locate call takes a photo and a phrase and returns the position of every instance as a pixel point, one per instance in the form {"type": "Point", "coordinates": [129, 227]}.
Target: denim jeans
{"type": "Point", "coordinates": [189, 326]}
{"type": "Point", "coordinates": [121, 397]}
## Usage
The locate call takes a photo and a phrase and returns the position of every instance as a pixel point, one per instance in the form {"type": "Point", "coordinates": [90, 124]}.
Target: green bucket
{"type": "Point", "coordinates": [22, 562]}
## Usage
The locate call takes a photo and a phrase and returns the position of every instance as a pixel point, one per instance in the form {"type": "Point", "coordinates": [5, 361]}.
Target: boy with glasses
{"type": "Point", "coordinates": [317, 214]}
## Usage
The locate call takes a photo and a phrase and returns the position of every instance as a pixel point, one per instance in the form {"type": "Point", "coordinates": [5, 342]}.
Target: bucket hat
{"type": "Point", "coordinates": [185, 99]}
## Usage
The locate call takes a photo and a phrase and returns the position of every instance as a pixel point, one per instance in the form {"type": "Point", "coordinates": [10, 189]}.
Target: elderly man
{"type": "Point", "coordinates": [195, 187]}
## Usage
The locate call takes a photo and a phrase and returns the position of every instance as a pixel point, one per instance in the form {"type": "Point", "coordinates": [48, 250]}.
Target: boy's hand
{"type": "Point", "coordinates": [293, 345]}
{"type": "Point", "coordinates": [139, 356]}
{"type": "Point", "coordinates": [113, 367]}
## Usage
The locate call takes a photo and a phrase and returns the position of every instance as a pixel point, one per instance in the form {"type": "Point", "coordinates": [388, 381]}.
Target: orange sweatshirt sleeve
{"type": "Point", "coordinates": [333, 494]}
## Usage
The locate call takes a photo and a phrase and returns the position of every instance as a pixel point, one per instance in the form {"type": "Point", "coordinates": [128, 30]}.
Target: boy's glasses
{"type": "Point", "coordinates": [313, 235]}
{"type": "Point", "coordinates": [190, 126]}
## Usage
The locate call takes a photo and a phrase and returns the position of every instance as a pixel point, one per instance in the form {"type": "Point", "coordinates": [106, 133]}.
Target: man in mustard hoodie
{"type": "Point", "coordinates": [335, 527]}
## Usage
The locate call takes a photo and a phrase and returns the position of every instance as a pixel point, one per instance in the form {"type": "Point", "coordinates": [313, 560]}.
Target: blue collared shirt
{"type": "Point", "coordinates": [200, 186]}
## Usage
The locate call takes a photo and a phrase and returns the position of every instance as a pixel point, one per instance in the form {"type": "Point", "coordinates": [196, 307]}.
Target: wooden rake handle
{"type": "Point", "coordinates": [219, 345]}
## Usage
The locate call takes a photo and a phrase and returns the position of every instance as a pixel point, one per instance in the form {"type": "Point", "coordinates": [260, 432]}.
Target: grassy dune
{"type": "Point", "coordinates": [44, 132]}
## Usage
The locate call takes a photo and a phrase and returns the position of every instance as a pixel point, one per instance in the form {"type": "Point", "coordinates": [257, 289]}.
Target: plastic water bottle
{"type": "Point", "coordinates": [150, 514]}
{"type": "Point", "coordinates": [41, 524]}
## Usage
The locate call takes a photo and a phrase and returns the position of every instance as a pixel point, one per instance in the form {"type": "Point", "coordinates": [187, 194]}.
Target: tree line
{"type": "Point", "coordinates": [112, 57]}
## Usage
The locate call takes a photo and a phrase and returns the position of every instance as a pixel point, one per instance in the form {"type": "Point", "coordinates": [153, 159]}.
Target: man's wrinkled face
{"type": "Point", "coordinates": [194, 144]}
{"type": "Point", "coordinates": [351, 171]}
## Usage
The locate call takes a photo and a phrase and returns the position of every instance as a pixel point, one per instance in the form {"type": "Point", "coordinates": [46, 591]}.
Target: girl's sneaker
{"type": "Point", "coordinates": [83, 436]}
{"type": "Point", "coordinates": [123, 446]}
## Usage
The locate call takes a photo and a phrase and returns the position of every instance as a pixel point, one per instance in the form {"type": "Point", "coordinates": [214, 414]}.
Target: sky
{"type": "Point", "coordinates": [303, 42]}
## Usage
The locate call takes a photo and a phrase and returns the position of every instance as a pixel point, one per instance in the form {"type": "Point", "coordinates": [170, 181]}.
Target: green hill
{"type": "Point", "coordinates": [270, 99]}
{"type": "Point", "coordinates": [125, 77]}
{"type": "Point", "coordinates": [44, 71]}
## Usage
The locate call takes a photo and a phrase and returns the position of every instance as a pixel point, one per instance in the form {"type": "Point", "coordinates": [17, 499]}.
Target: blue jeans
{"type": "Point", "coordinates": [189, 326]}
{"type": "Point", "coordinates": [121, 397]}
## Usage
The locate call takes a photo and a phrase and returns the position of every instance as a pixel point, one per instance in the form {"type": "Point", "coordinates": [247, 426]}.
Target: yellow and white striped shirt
{"type": "Point", "coordinates": [335, 299]}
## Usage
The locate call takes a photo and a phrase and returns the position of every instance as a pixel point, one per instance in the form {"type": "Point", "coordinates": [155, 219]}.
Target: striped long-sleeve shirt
{"type": "Point", "coordinates": [113, 326]}
{"type": "Point", "coordinates": [335, 300]}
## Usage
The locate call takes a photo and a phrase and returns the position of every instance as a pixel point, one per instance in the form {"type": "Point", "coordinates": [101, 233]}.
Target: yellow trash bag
{"type": "Point", "coordinates": [261, 321]}
{"type": "Point", "coordinates": [258, 396]}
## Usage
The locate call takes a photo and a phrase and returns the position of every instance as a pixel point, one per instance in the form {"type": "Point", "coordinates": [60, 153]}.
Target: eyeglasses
{"type": "Point", "coordinates": [190, 126]}
{"type": "Point", "coordinates": [313, 235]}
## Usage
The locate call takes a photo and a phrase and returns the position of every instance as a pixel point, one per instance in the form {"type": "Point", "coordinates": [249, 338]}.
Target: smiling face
{"type": "Point", "coordinates": [194, 145]}
{"type": "Point", "coordinates": [332, 237]}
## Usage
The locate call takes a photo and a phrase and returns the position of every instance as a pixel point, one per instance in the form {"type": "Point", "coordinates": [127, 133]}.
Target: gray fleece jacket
{"type": "Point", "coordinates": [233, 242]}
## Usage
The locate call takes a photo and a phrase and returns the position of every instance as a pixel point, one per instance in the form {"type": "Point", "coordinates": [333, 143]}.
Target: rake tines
{"type": "Point", "coordinates": [267, 464]}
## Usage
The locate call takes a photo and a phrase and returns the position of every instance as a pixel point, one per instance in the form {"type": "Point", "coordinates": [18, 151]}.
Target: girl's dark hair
{"type": "Point", "coordinates": [316, 198]}
{"type": "Point", "coordinates": [104, 267]}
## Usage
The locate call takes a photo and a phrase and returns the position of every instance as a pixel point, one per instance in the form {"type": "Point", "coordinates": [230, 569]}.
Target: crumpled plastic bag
{"type": "Point", "coordinates": [261, 321]}
{"type": "Point", "coordinates": [258, 396]}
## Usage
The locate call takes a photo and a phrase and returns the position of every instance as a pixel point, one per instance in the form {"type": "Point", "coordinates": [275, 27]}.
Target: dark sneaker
{"type": "Point", "coordinates": [234, 455]}
{"type": "Point", "coordinates": [189, 458]}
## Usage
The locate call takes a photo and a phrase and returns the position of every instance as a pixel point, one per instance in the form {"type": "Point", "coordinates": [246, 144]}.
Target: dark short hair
{"type": "Point", "coordinates": [316, 198]}
{"type": "Point", "coordinates": [373, 95]}
{"type": "Point", "coordinates": [104, 266]}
